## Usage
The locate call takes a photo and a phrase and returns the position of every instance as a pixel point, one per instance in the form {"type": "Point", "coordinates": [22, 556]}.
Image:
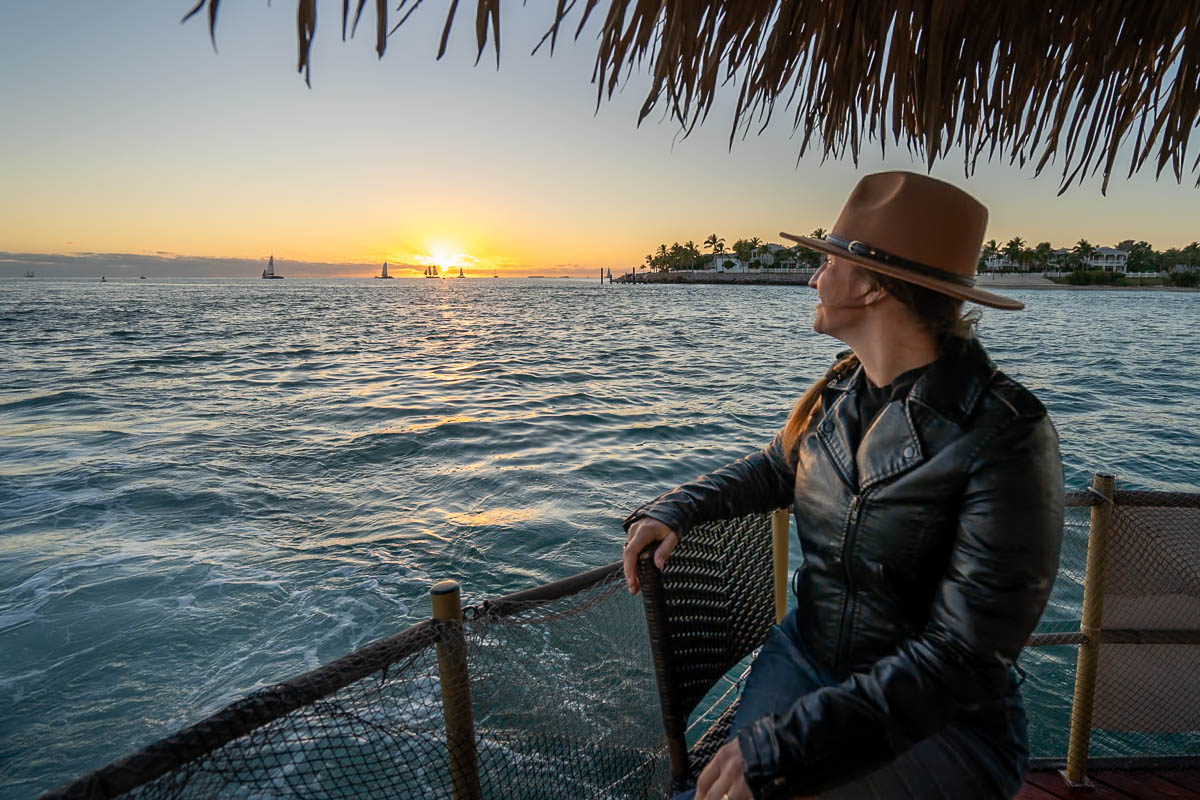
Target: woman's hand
{"type": "Point", "coordinates": [724, 778]}
{"type": "Point", "coordinates": [642, 533]}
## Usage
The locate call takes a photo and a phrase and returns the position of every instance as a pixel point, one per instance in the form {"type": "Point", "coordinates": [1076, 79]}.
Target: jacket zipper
{"type": "Point", "coordinates": [850, 600]}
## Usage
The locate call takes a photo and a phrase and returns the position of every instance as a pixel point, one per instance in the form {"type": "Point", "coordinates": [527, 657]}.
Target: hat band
{"type": "Point", "coordinates": [882, 256]}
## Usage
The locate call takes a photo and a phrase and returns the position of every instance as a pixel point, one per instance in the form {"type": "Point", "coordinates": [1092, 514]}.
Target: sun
{"type": "Point", "coordinates": [445, 257]}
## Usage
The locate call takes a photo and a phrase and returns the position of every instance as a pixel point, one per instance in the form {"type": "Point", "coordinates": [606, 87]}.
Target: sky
{"type": "Point", "coordinates": [127, 143]}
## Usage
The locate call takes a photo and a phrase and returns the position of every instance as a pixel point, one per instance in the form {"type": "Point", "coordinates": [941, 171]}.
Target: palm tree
{"type": "Point", "coordinates": [1012, 250]}
{"type": "Point", "coordinates": [742, 249]}
{"type": "Point", "coordinates": [990, 250]}
{"type": "Point", "coordinates": [690, 252]}
{"type": "Point", "coordinates": [1026, 257]}
{"type": "Point", "coordinates": [1085, 250]}
{"type": "Point", "coordinates": [671, 259]}
{"type": "Point", "coordinates": [716, 243]}
{"type": "Point", "coordinates": [755, 248]}
{"type": "Point", "coordinates": [1042, 254]}
{"type": "Point", "coordinates": [1192, 251]}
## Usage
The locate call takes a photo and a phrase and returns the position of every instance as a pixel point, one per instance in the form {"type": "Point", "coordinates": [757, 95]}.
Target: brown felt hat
{"type": "Point", "coordinates": [914, 228]}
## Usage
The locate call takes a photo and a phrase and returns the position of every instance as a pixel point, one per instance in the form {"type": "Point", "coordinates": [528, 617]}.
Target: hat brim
{"type": "Point", "coordinates": [959, 291]}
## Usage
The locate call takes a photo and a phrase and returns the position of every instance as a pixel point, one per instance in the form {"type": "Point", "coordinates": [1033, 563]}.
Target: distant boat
{"type": "Point", "coordinates": [103, 279]}
{"type": "Point", "coordinates": [28, 273]}
{"type": "Point", "coordinates": [383, 274]}
{"type": "Point", "coordinates": [269, 272]}
{"type": "Point", "coordinates": [142, 278]}
{"type": "Point", "coordinates": [460, 273]}
{"type": "Point", "coordinates": [495, 276]}
{"type": "Point", "coordinates": [432, 272]}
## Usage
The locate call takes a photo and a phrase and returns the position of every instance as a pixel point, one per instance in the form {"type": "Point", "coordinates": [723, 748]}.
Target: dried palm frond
{"type": "Point", "coordinates": [1031, 81]}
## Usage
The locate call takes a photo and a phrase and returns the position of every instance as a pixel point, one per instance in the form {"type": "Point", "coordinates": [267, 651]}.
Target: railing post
{"type": "Point", "coordinates": [456, 691]}
{"type": "Point", "coordinates": [779, 559]}
{"type": "Point", "coordinates": [1090, 623]}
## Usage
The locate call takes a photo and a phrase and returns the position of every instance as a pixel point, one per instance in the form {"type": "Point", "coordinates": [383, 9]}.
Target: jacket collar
{"type": "Point", "coordinates": [950, 388]}
{"type": "Point", "coordinates": [954, 383]}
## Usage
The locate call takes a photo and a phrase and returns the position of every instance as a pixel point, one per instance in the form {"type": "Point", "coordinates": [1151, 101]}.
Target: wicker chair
{"type": "Point", "coordinates": [712, 605]}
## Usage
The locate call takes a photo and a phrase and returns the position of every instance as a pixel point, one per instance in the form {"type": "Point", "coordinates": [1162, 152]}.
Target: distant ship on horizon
{"type": "Point", "coordinates": [269, 272]}
{"type": "Point", "coordinates": [28, 273]}
{"type": "Point", "coordinates": [460, 273]}
{"type": "Point", "coordinates": [432, 272]}
{"type": "Point", "coordinates": [384, 274]}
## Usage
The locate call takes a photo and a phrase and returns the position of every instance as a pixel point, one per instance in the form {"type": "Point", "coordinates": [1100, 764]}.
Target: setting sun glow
{"type": "Point", "coordinates": [444, 257]}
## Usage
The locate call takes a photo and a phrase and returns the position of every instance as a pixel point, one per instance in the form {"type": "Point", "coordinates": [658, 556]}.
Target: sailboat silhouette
{"type": "Point", "coordinates": [269, 272]}
{"type": "Point", "coordinates": [383, 274]}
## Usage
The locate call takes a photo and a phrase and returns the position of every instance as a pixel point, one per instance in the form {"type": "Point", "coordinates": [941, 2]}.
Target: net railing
{"type": "Point", "coordinates": [559, 679]}
{"type": "Point", "coordinates": [1137, 697]}
{"type": "Point", "coordinates": [561, 689]}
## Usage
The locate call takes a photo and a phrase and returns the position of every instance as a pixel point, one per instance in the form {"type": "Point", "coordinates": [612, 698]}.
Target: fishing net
{"type": "Point", "coordinates": [561, 689]}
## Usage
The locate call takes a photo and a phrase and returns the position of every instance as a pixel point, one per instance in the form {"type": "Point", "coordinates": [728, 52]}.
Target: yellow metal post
{"type": "Point", "coordinates": [779, 559]}
{"type": "Point", "coordinates": [1090, 624]}
{"type": "Point", "coordinates": [456, 691]}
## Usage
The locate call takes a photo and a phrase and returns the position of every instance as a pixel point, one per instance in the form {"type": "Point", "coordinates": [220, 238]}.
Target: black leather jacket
{"type": "Point", "coordinates": [929, 554]}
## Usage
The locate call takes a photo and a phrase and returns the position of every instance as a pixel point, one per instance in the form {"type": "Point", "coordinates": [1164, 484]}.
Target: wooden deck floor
{"type": "Point", "coordinates": [1116, 784]}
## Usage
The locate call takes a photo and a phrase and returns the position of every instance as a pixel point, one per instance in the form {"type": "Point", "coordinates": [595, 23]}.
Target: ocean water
{"type": "Point", "coordinates": [208, 486]}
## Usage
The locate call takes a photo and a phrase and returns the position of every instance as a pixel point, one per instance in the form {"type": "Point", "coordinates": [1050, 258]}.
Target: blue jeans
{"type": "Point", "coordinates": [981, 755]}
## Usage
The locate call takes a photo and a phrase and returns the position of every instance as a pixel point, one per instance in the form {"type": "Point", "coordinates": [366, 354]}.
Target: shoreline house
{"type": "Point", "coordinates": [1000, 263]}
{"type": "Point", "coordinates": [770, 256]}
{"type": "Point", "coordinates": [1108, 259]}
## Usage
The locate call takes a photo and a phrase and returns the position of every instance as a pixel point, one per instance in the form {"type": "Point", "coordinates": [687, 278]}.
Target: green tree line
{"type": "Point", "coordinates": [1142, 255]}
{"type": "Point", "coordinates": [753, 251]}
{"type": "Point", "coordinates": [1037, 258]}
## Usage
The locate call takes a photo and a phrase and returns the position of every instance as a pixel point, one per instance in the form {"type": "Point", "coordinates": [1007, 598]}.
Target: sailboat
{"type": "Point", "coordinates": [28, 273]}
{"type": "Point", "coordinates": [383, 274]}
{"type": "Point", "coordinates": [269, 272]}
{"type": "Point", "coordinates": [103, 279]}
{"type": "Point", "coordinates": [432, 272]}
{"type": "Point", "coordinates": [460, 273]}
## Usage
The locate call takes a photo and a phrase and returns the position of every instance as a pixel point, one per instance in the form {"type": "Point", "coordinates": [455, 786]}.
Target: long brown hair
{"type": "Point", "coordinates": [938, 313]}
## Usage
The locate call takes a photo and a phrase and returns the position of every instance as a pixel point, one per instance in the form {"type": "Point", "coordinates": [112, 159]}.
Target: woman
{"type": "Point", "coordinates": [927, 493]}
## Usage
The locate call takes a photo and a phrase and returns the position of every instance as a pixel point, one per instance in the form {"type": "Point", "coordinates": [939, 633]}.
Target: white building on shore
{"type": "Point", "coordinates": [1109, 259]}
{"type": "Point", "coordinates": [769, 256]}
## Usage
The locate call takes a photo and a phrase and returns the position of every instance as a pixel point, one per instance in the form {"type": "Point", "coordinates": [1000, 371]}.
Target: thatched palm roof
{"type": "Point", "coordinates": [1056, 81]}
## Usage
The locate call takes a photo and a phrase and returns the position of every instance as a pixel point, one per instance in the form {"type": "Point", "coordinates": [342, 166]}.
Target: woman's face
{"type": "Point", "coordinates": [843, 295]}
